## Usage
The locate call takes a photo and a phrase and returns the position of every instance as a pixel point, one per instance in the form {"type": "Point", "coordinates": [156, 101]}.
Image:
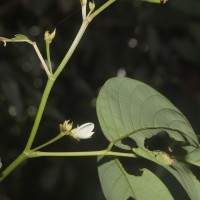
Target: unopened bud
{"type": "Point", "coordinates": [48, 37]}
{"type": "Point", "coordinates": [65, 127]}
{"type": "Point", "coordinates": [91, 6]}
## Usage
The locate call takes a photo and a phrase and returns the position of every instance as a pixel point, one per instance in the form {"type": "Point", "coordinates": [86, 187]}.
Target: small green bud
{"type": "Point", "coordinates": [91, 6]}
{"type": "Point", "coordinates": [48, 37]}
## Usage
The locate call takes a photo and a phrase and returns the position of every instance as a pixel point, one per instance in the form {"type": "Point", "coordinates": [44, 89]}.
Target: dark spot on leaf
{"type": "Point", "coordinates": [129, 142]}
{"type": "Point", "coordinates": [135, 166]}
{"type": "Point", "coordinates": [117, 149]}
{"type": "Point", "coordinates": [196, 171]}
{"type": "Point", "coordinates": [177, 150]}
{"type": "Point", "coordinates": [163, 142]}
{"type": "Point", "coordinates": [104, 159]}
{"type": "Point", "coordinates": [131, 198]}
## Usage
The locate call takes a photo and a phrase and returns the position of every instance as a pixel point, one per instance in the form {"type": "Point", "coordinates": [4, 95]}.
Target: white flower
{"type": "Point", "coordinates": [84, 131]}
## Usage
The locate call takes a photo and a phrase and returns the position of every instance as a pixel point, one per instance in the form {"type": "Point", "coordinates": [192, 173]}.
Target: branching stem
{"type": "Point", "coordinates": [28, 153]}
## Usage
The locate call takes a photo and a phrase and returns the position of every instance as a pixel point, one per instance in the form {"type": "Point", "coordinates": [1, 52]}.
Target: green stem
{"type": "Point", "coordinates": [48, 56]}
{"type": "Point", "coordinates": [49, 142]}
{"type": "Point", "coordinates": [45, 96]}
{"type": "Point", "coordinates": [71, 49]}
{"type": "Point", "coordinates": [13, 165]}
{"type": "Point", "coordinates": [52, 77]}
{"type": "Point", "coordinates": [82, 29]}
{"type": "Point", "coordinates": [41, 59]}
{"type": "Point", "coordinates": [99, 10]}
{"type": "Point", "coordinates": [86, 153]}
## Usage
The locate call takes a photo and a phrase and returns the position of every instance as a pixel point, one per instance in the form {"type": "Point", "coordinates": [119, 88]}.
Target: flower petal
{"type": "Point", "coordinates": [84, 131]}
{"type": "Point", "coordinates": [87, 127]}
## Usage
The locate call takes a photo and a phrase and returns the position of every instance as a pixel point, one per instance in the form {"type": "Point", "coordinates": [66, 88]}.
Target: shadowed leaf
{"type": "Point", "coordinates": [128, 108]}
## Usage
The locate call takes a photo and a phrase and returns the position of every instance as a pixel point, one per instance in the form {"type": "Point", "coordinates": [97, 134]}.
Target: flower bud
{"type": "Point", "coordinates": [66, 127]}
{"type": "Point", "coordinates": [91, 6]}
{"type": "Point", "coordinates": [48, 37]}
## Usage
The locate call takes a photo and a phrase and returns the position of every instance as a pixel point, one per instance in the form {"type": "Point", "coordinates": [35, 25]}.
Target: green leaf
{"type": "Point", "coordinates": [127, 107]}
{"type": "Point", "coordinates": [0, 164]}
{"type": "Point", "coordinates": [187, 179]}
{"type": "Point", "coordinates": [179, 169]}
{"type": "Point", "coordinates": [193, 157]}
{"type": "Point", "coordinates": [17, 38]}
{"type": "Point", "coordinates": [120, 185]}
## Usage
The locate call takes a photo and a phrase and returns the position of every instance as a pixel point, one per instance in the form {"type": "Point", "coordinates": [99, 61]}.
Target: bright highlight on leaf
{"type": "Point", "coordinates": [0, 164]}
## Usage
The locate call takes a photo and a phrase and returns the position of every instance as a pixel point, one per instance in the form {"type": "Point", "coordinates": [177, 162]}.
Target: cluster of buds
{"type": "Point", "coordinates": [91, 6]}
{"type": "Point", "coordinates": [84, 131]}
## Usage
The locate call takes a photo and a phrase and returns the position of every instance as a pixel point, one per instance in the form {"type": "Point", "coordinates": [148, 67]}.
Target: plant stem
{"type": "Point", "coordinates": [48, 56]}
{"type": "Point", "coordinates": [41, 59]}
{"type": "Point", "coordinates": [99, 10]}
{"type": "Point", "coordinates": [51, 82]}
{"type": "Point", "coordinates": [32, 154]}
{"type": "Point", "coordinates": [28, 153]}
{"type": "Point", "coordinates": [45, 96]}
{"type": "Point", "coordinates": [12, 166]}
{"type": "Point", "coordinates": [71, 49]}
{"type": "Point", "coordinates": [49, 142]}
{"type": "Point", "coordinates": [86, 153]}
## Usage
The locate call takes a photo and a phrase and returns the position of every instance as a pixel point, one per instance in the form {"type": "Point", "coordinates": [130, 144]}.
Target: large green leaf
{"type": "Point", "coordinates": [127, 108]}
{"type": "Point", "coordinates": [120, 185]}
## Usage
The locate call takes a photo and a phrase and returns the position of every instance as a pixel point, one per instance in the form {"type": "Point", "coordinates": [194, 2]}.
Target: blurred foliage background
{"type": "Point", "coordinates": [157, 44]}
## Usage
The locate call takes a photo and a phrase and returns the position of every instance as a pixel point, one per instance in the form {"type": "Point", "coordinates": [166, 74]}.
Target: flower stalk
{"type": "Point", "coordinates": [76, 133]}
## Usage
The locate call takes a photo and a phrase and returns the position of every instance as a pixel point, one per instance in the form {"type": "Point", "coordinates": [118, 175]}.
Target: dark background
{"type": "Point", "coordinates": [157, 44]}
